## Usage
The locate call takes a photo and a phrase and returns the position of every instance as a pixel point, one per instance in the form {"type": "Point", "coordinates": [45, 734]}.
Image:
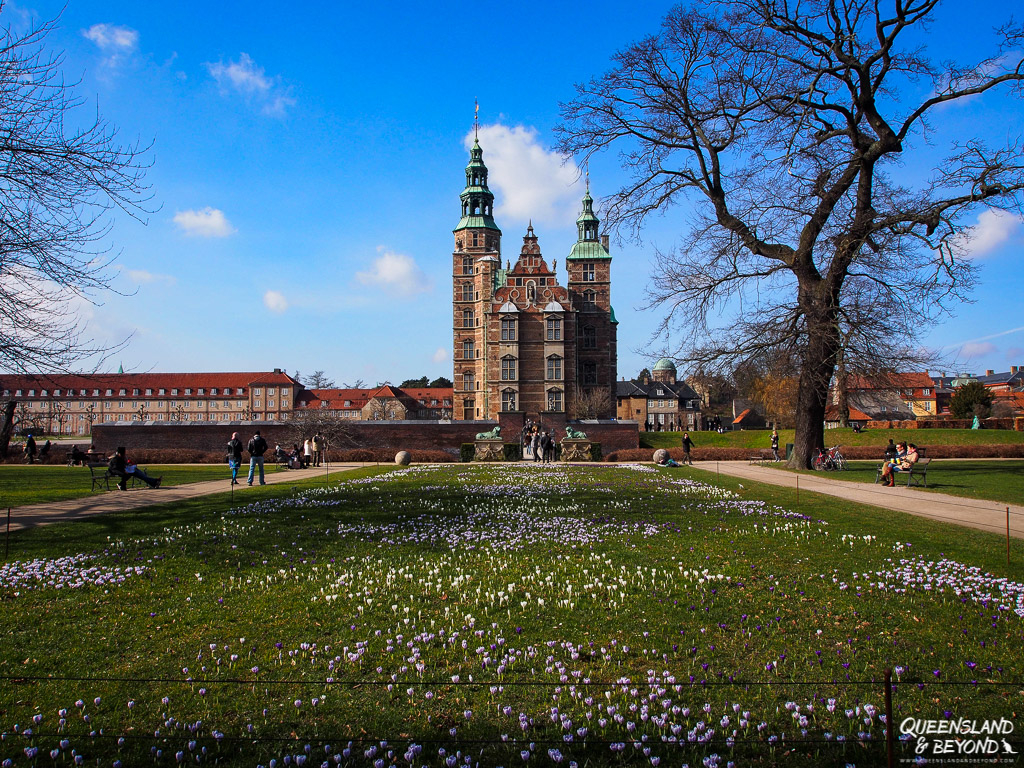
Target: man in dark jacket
{"type": "Point", "coordinates": [687, 445]}
{"type": "Point", "coordinates": [30, 448]}
{"type": "Point", "coordinates": [256, 448]}
{"type": "Point", "coordinates": [234, 456]}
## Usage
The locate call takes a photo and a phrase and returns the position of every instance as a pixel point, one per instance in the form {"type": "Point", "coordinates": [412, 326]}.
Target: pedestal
{"type": "Point", "coordinates": [575, 450]}
{"type": "Point", "coordinates": [489, 450]}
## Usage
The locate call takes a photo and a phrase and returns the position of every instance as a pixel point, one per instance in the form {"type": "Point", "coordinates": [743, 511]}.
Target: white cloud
{"type": "Point", "coordinates": [249, 79]}
{"type": "Point", "coordinates": [142, 276]}
{"type": "Point", "coordinates": [977, 348]}
{"type": "Point", "coordinates": [993, 228]}
{"type": "Point", "coordinates": [206, 222]}
{"type": "Point", "coordinates": [529, 180]}
{"type": "Point", "coordinates": [111, 38]}
{"type": "Point", "coordinates": [395, 273]}
{"type": "Point", "coordinates": [275, 302]}
{"type": "Point", "coordinates": [440, 355]}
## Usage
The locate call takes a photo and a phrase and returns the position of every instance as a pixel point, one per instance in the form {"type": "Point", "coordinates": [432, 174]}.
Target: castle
{"type": "Point", "coordinates": [524, 343]}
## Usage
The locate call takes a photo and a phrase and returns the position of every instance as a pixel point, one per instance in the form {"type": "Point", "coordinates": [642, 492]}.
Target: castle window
{"type": "Point", "coordinates": [555, 368]}
{"type": "Point", "coordinates": [589, 373]}
{"type": "Point", "coordinates": [467, 291]}
{"type": "Point", "coordinates": [467, 265]}
{"type": "Point", "coordinates": [467, 318]}
{"type": "Point", "coordinates": [554, 329]}
{"type": "Point", "coordinates": [508, 368]}
{"type": "Point", "coordinates": [554, 399]}
{"type": "Point", "coordinates": [467, 409]}
{"type": "Point", "coordinates": [508, 400]}
{"type": "Point", "coordinates": [588, 272]}
{"type": "Point", "coordinates": [589, 299]}
{"type": "Point", "coordinates": [467, 350]}
{"type": "Point", "coordinates": [508, 330]}
{"type": "Point", "coordinates": [589, 337]}
{"type": "Point", "coordinates": [468, 381]}
{"type": "Point", "coordinates": [475, 210]}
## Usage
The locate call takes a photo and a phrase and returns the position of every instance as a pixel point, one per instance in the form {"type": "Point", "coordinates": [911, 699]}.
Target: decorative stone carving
{"type": "Point", "coordinates": [575, 450]}
{"type": "Point", "coordinates": [494, 434]}
{"type": "Point", "coordinates": [574, 434]}
{"type": "Point", "coordinates": [489, 450]}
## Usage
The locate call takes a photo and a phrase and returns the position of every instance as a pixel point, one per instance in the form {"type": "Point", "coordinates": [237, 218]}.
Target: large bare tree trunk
{"type": "Point", "coordinates": [6, 427]}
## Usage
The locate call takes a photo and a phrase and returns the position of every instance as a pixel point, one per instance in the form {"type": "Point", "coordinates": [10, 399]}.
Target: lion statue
{"type": "Point", "coordinates": [574, 434]}
{"type": "Point", "coordinates": [494, 434]}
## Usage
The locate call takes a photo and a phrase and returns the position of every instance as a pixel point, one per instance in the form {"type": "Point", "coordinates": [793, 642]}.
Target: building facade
{"type": "Point", "coordinates": [70, 404]}
{"type": "Point", "coordinates": [661, 402]}
{"type": "Point", "coordinates": [523, 342]}
{"type": "Point", "coordinates": [383, 403]}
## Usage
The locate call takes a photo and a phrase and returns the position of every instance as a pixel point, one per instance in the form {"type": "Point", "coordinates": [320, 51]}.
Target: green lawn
{"type": "Point", "coordinates": [755, 439]}
{"type": "Point", "coordinates": [427, 615]}
{"type": "Point", "coordinates": [36, 484]}
{"type": "Point", "coordinates": [997, 480]}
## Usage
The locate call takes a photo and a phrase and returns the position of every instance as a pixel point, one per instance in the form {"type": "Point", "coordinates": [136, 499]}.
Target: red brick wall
{"type": "Point", "coordinates": [395, 436]}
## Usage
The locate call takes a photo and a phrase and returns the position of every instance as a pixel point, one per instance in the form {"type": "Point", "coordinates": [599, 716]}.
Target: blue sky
{"type": "Point", "coordinates": [307, 167]}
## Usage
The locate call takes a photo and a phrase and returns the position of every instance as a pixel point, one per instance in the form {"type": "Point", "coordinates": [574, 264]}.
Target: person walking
{"type": "Point", "coordinates": [257, 447]}
{"type": "Point", "coordinates": [545, 447]}
{"type": "Point", "coordinates": [535, 445]}
{"type": "Point", "coordinates": [30, 449]}
{"type": "Point", "coordinates": [687, 445]}
{"type": "Point", "coordinates": [775, 445]}
{"type": "Point", "coordinates": [234, 456]}
{"type": "Point", "coordinates": [318, 449]}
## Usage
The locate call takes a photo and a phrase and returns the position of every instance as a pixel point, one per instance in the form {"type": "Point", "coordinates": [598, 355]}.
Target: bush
{"type": "Point", "coordinates": [467, 451]}
{"type": "Point", "coordinates": [512, 451]}
{"type": "Point", "coordinates": [595, 451]}
{"type": "Point", "coordinates": [854, 452]}
{"type": "Point", "coordinates": [970, 399]}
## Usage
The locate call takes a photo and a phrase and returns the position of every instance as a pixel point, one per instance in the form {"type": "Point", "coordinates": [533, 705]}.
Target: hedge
{"type": "Point", "coordinates": [854, 452]}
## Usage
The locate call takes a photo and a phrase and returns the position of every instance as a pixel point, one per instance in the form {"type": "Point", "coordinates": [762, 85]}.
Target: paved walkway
{"type": "Point", "coordinates": [984, 515]}
{"type": "Point", "coordinates": [140, 496]}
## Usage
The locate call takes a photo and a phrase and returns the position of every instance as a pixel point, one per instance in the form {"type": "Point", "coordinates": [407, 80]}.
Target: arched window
{"type": "Point", "coordinates": [531, 291]}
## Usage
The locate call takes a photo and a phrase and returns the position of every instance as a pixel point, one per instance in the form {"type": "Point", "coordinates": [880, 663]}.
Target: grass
{"type": "Point", "coordinates": [761, 438]}
{"type": "Point", "coordinates": [1001, 480]}
{"type": "Point", "coordinates": [487, 612]}
{"type": "Point", "coordinates": [38, 484]}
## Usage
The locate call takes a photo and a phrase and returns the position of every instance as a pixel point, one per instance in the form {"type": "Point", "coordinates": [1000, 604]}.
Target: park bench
{"type": "Point", "coordinates": [101, 476]}
{"type": "Point", "coordinates": [917, 475]}
{"type": "Point", "coordinates": [760, 458]}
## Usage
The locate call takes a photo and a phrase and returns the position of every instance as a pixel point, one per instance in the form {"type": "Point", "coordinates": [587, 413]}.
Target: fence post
{"type": "Point", "coordinates": [1007, 535]}
{"type": "Point", "coordinates": [890, 750]}
{"type": "Point", "coordinates": [798, 489]}
{"type": "Point", "coordinates": [7, 539]}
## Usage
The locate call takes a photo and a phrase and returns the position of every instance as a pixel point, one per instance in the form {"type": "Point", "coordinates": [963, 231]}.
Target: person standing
{"type": "Point", "coordinates": [30, 448]}
{"type": "Point", "coordinates": [687, 445]}
{"type": "Point", "coordinates": [545, 447]}
{"type": "Point", "coordinates": [234, 456]}
{"type": "Point", "coordinates": [318, 448]}
{"type": "Point", "coordinates": [307, 453]}
{"type": "Point", "coordinates": [775, 445]}
{"type": "Point", "coordinates": [257, 447]}
{"type": "Point", "coordinates": [535, 444]}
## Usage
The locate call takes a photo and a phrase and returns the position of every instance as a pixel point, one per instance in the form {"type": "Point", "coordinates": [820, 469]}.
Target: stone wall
{"type": "Point", "coordinates": [390, 435]}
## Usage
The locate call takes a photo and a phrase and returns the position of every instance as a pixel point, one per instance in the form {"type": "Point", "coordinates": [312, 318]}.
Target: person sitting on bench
{"type": "Point", "coordinates": [78, 456]}
{"type": "Point", "coordinates": [904, 464]}
{"type": "Point", "coordinates": [122, 467]}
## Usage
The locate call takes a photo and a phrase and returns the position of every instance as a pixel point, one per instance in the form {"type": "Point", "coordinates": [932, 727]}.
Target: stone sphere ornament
{"type": "Point", "coordinates": [403, 458]}
{"type": "Point", "coordinates": [660, 456]}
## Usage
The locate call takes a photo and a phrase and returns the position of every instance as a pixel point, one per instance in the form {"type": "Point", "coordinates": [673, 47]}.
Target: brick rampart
{"type": "Point", "coordinates": [390, 435]}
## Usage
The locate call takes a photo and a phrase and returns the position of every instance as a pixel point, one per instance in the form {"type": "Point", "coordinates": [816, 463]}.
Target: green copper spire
{"type": "Point", "coordinates": [477, 199]}
{"type": "Point", "coordinates": [588, 246]}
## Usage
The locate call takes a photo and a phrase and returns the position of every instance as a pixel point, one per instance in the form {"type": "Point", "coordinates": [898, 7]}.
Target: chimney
{"type": "Point", "coordinates": [604, 241]}
{"type": "Point", "coordinates": [277, 370]}
{"type": "Point", "coordinates": [1014, 369]}
{"type": "Point", "coordinates": [989, 372]}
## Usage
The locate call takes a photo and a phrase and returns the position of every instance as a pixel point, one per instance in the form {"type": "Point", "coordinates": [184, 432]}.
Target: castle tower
{"type": "Point", "coordinates": [476, 263]}
{"type": "Point", "coordinates": [589, 264]}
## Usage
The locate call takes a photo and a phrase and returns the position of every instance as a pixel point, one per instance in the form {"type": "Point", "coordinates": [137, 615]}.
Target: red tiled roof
{"type": "Point", "coordinates": [912, 380]}
{"type": "Point", "coordinates": [142, 381]}
{"type": "Point", "coordinates": [832, 414]}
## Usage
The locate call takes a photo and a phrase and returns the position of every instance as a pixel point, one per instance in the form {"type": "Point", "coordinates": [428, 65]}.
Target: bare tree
{"type": "Point", "coordinates": [786, 123]}
{"type": "Point", "coordinates": [318, 380]}
{"type": "Point", "coordinates": [306, 422]}
{"type": "Point", "coordinates": [590, 403]}
{"type": "Point", "coordinates": [61, 179]}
